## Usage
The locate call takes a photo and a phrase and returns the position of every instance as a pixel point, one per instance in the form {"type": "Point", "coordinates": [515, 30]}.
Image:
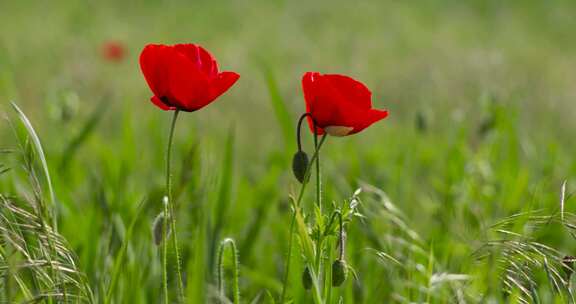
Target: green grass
{"type": "Point", "coordinates": [461, 185]}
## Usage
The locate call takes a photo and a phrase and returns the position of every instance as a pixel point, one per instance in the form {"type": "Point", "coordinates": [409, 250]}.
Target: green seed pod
{"type": "Point", "coordinates": [299, 165]}
{"type": "Point", "coordinates": [307, 279]}
{"type": "Point", "coordinates": [339, 272]}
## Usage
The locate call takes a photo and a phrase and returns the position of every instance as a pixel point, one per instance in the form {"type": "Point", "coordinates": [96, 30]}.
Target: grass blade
{"type": "Point", "coordinates": [282, 114]}
{"type": "Point", "coordinates": [120, 259]}
{"type": "Point", "coordinates": [41, 155]}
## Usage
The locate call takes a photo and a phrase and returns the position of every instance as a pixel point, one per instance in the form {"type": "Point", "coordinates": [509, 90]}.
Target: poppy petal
{"type": "Point", "coordinates": [201, 58]}
{"type": "Point", "coordinates": [308, 87]}
{"type": "Point", "coordinates": [158, 102]}
{"type": "Point", "coordinates": [221, 84]}
{"type": "Point", "coordinates": [155, 63]}
{"type": "Point", "coordinates": [188, 86]}
{"type": "Point", "coordinates": [351, 90]}
{"type": "Point", "coordinates": [367, 118]}
{"type": "Point", "coordinates": [323, 101]}
{"type": "Point", "coordinates": [338, 104]}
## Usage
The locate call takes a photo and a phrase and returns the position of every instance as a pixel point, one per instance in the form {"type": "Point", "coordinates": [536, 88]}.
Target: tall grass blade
{"type": "Point", "coordinates": [122, 252]}
{"type": "Point", "coordinates": [280, 110]}
{"type": "Point", "coordinates": [41, 155]}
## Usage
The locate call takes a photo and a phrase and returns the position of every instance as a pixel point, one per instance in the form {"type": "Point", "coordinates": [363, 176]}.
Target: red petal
{"type": "Point", "coordinates": [201, 59]}
{"type": "Point", "coordinates": [155, 64]}
{"type": "Point", "coordinates": [338, 100]}
{"type": "Point", "coordinates": [366, 119]}
{"type": "Point", "coordinates": [351, 90]}
{"type": "Point", "coordinates": [221, 84]}
{"type": "Point", "coordinates": [159, 103]}
{"type": "Point", "coordinates": [323, 101]}
{"type": "Point", "coordinates": [308, 87]}
{"type": "Point", "coordinates": [188, 85]}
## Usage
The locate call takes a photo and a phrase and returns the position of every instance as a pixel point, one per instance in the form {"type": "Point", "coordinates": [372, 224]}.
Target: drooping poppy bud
{"type": "Point", "coordinates": [338, 104]}
{"type": "Point", "coordinates": [339, 272]}
{"type": "Point", "coordinates": [183, 76]}
{"type": "Point", "coordinates": [307, 279]}
{"type": "Point", "coordinates": [300, 165]}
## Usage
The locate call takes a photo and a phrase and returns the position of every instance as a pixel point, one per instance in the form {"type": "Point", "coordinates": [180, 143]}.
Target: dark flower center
{"type": "Point", "coordinates": [166, 101]}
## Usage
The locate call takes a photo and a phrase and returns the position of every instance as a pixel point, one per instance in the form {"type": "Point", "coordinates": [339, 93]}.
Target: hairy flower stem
{"type": "Point", "coordinates": [165, 251]}
{"type": "Point", "coordinates": [319, 240]}
{"type": "Point", "coordinates": [293, 220]}
{"type": "Point", "coordinates": [318, 177]}
{"type": "Point", "coordinates": [171, 214]}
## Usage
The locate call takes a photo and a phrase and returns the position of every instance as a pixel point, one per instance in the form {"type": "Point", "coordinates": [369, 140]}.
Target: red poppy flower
{"type": "Point", "coordinates": [113, 51]}
{"type": "Point", "coordinates": [183, 76]}
{"type": "Point", "coordinates": [338, 104]}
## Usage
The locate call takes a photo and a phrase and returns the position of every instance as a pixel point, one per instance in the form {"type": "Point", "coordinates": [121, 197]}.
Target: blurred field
{"type": "Point", "coordinates": [481, 95]}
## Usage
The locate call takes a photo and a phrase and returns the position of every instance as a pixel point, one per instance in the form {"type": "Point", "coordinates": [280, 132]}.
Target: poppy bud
{"type": "Point", "coordinates": [307, 279]}
{"type": "Point", "coordinates": [339, 272]}
{"type": "Point", "coordinates": [568, 263]}
{"type": "Point", "coordinates": [300, 165]}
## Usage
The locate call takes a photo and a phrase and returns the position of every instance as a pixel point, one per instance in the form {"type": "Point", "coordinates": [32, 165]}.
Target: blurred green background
{"type": "Point", "coordinates": [481, 96]}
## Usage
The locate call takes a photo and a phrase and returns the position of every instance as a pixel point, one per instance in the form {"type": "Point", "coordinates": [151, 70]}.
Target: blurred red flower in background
{"type": "Point", "coordinates": [183, 76]}
{"type": "Point", "coordinates": [338, 104]}
{"type": "Point", "coordinates": [113, 51]}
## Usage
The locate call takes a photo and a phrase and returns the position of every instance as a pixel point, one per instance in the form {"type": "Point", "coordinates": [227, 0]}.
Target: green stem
{"type": "Point", "coordinates": [340, 245]}
{"type": "Point", "coordinates": [165, 250]}
{"type": "Point", "coordinates": [293, 220]}
{"type": "Point", "coordinates": [329, 274]}
{"type": "Point", "coordinates": [287, 268]}
{"type": "Point", "coordinates": [316, 294]}
{"type": "Point", "coordinates": [172, 215]}
{"type": "Point", "coordinates": [319, 240]}
{"type": "Point", "coordinates": [318, 177]}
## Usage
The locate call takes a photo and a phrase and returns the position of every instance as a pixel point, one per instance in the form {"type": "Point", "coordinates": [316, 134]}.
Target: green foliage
{"type": "Point", "coordinates": [460, 185]}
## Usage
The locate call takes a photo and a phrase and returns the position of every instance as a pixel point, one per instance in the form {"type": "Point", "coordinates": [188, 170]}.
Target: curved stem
{"type": "Point", "coordinates": [172, 215]}
{"type": "Point", "coordinates": [298, 137]}
{"type": "Point", "coordinates": [318, 146]}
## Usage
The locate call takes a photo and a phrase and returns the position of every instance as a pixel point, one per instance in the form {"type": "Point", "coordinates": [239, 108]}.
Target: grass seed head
{"type": "Point", "coordinates": [568, 263]}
